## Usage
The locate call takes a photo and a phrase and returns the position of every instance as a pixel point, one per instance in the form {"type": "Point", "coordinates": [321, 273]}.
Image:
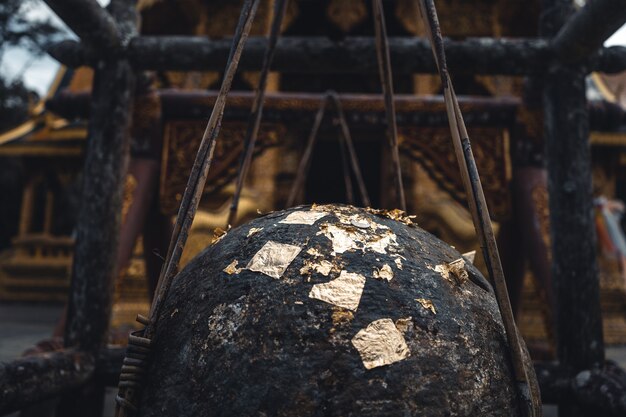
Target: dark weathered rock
{"type": "Point", "coordinates": [32, 379]}
{"type": "Point", "coordinates": [233, 342]}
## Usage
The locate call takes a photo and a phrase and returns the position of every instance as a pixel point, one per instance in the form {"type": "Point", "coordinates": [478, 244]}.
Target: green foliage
{"type": "Point", "coordinates": [18, 30]}
{"type": "Point", "coordinates": [14, 103]}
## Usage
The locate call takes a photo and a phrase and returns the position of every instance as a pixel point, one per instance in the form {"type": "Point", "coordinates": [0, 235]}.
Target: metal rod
{"type": "Point", "coordinates": [305, 162]}
{"type": "Point", "coordinates": [480, 212]}
{"type": "Point", "coordinates": [384, 65]}
{"type": "Point", "coordinates": [345, 167]}
{"type": "Point", "coordinates": [344, 140]}
{"type": "Point", "coordinates": [345, 131]}
{"type": "Point", "coordinates": [195, 185]}
{"type": "Point", "coordinates": [201, 166]}
{"type": "Point", "coordinates": [254, 122]}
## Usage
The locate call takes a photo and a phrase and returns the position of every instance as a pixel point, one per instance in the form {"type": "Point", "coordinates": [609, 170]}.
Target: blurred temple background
{"type": "Point", "coordinates": [42, 148]}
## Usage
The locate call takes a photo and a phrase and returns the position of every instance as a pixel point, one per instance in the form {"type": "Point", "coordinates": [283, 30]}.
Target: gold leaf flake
{"type": "Point", "coordinates": [323, 267]}
{"type": "Point", "coordinates": [303, 217]}
{"type": "Point", "coordinates": [427, 304]}
{"type": "Point", "coordinates": [443, 270]}
{"type": "Point", "coordinates": [395, 214]}
{"type": "Point", "coordinates": [273, 258]}
{"type": "Point", "coordinates": [344, 291]}
{"type": "Point", "coordinates": [345, 237]}
{"type": "Point", "coordinates": [359, 222]}
{"type": "Point", "coordinates": [341, 239]}
{"type": "Point", "coordinates": [470, 256]}
{"type": "Point", "coordinates": [218, 234]}
{"type": "Point", "coordinates": [455, 269]}
{"type": "Point", "coordinates": [398, 262]}
{"type": "Point", "coordinates": [341, 316]}
{"type": "Point", "coordinates": [313, 252]}
{"type": "Point", "coordinates": [380, 245]}
{"type": "Point", "coordinates": [385, 273]}
{"type": "Point", "coordinates": [254, 230]}
{"type": "Point", "coordinates": [380, 343]}
{"type": "Point", "coordinates": [404, 324]}
{"type": "Point", "coordinates": [232, 268]}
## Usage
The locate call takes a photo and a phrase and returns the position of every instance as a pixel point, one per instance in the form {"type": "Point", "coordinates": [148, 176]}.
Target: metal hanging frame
{"type": "Point", "coordinates": [480, 212]}
{"type": "Point", "coordinates": [127, 396]}
{"type": "Point", "coordinates": [345, 144]}
{"type": "Point", "coordinates": [140, 342]}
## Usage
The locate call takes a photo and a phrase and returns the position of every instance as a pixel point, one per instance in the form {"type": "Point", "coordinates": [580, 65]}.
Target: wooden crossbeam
{"type": "Point", "coordinates": [93, 24]}
{"type": "Point", "coordinates": [585, 32]}
{"type": "Point", "coordinates": [352, 55]}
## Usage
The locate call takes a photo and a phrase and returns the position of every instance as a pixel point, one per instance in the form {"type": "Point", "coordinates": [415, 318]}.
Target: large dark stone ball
{"type": "Point", "coordinates": [330, 311]}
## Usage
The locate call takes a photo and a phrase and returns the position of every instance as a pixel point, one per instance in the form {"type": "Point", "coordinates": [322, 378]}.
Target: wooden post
{"type": "Point", "coordinates": [98, 222]}
{"type": "Point", "coordinates": [48, 213]}
{"type": "Point", "coordinates": [99, 217]}
{"type": "Point", "coordinates": [574, 268]}
{"type": "Point", "coordinates": [26, 211]}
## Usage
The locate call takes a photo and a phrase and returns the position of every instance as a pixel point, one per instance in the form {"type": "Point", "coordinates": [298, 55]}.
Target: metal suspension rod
{"type": "Point", "coordinates": [354, 162]}
{"type": "Point", "coordinates": [345, 167]}
{"type": "Point", "coordinates": [384, 66]}
{"type": "Point", "coordinates": [305, 162]}
{"type": "Point", "coordinates": [480, 212]}
{"type": "Point", "coordinates": [201, 166]}
{"type": "Point", "coordinates": [254, 122]}
{"type": "Point", "coordinates": [345, 140]}
{"type": "Point", "coordinates": [193, 192]}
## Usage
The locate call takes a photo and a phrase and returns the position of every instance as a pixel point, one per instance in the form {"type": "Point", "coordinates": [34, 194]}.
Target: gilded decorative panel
{"type": "Point", "coordinates": [346, 14]}
{"type": "Point", "coordinates": [181, 141]}
{"type": "Point", "coordinates": [432, 148]}
{"type": "Point", "coordinates": [458, 18]}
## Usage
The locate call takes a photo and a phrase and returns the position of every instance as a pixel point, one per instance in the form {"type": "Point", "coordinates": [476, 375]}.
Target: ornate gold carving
{"type": "Point", "coordinates": [432, 148]}
{"type": "Point", "coordinates": [408, 15]}
{"type": "Point", "coordinates": [130, 186]}
{"type": "Point", "coordinates": [146, 4]}
{"type": "Point", "coordinates": [220, 18]}
{"type": "Point", "coordinates": [614, 139]}
{"type": "Point", "coordinates": [146, 127]}
{"type": "Point", "coordinates": [181, 141]}
{"type": "Point", "coordinates": [532, 120]}
{"type": "Point", "coordinates": [457, 17]}
{"type": "Point", "coordinates": [346, 14]}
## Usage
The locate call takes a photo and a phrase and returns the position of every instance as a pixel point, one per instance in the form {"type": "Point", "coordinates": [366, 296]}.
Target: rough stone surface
{"type": "Point", "coordinates": [241, 343]}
